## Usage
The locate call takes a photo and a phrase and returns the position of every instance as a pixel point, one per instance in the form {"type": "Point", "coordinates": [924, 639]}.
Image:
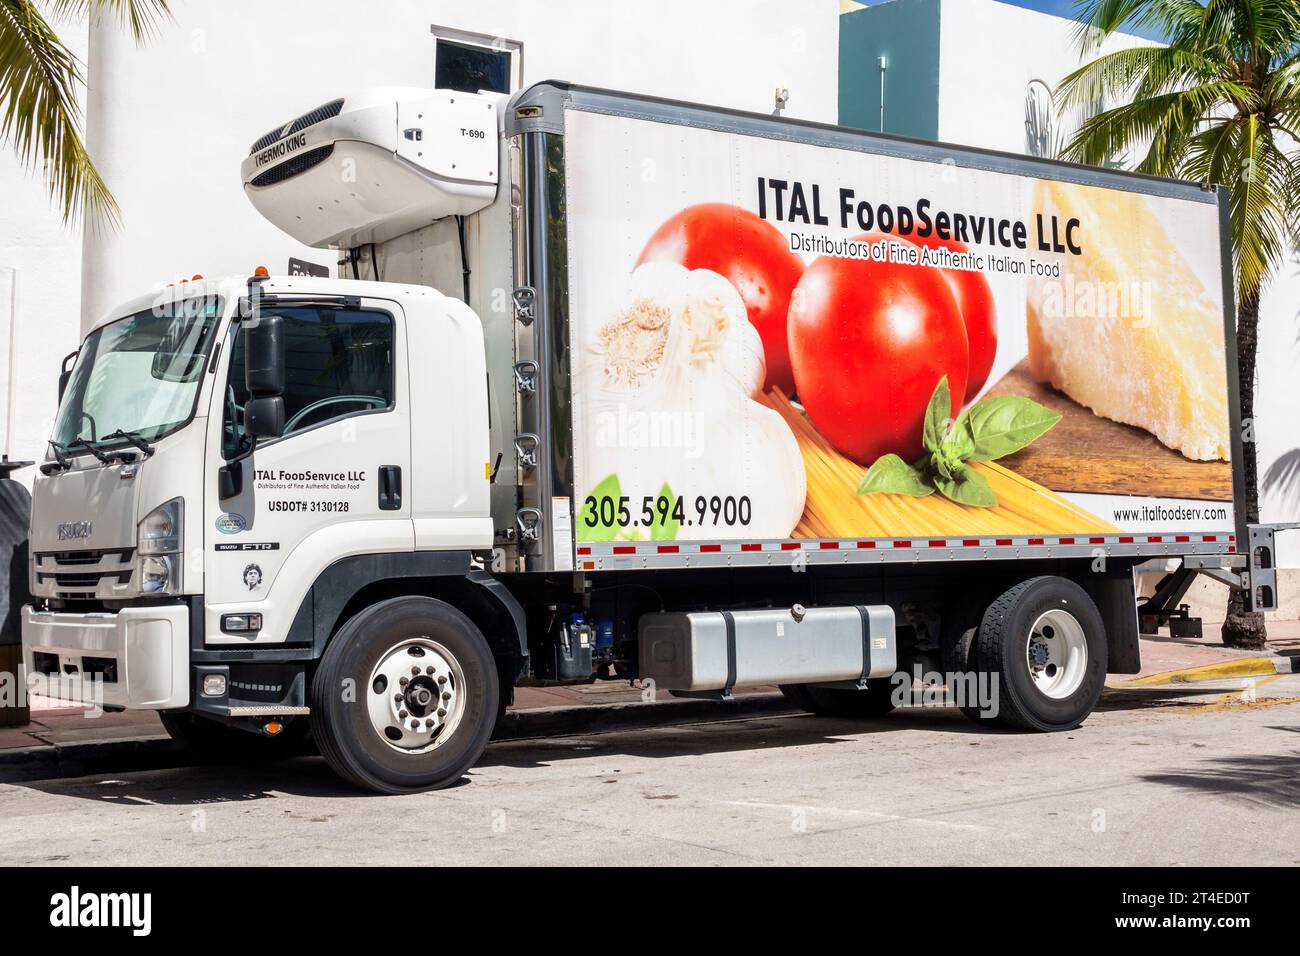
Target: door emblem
{"type": "Point", "coordinates": [253, 576]}
{"type": "Point", "coordinates": [231, 523]}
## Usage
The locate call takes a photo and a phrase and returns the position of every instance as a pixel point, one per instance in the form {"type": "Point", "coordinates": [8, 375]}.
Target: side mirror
{"type": "Point", "coordinates": [65, 372]}
{"type": "Point", "coordinates": [264, 357]}
{"type": "Point", "coordinates": [264, 416]}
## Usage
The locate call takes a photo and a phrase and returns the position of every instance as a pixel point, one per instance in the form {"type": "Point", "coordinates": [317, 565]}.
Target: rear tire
{"type": "Point", "coordinates": [405, 697]}
{"type": "Point", "coordinates": [1045, 643]}
{"type": "Point", "coordinates": [876, 700]}
{"type": "Point", "coordinates": [215, 742]}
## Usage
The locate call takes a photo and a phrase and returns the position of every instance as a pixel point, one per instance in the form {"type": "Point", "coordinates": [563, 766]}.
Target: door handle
{"type": "Point", "coordinates": [390, 487]}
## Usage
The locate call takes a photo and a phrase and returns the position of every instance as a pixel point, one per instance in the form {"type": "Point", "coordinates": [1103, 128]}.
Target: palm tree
{"type": "Point", "coordinates": [39, 77]}
{"type": "Point", "coordinates": [1220, 103]}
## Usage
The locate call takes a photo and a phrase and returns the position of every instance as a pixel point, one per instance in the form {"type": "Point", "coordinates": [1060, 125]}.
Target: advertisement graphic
{"type": "Point", "coordinates": [775, 339]}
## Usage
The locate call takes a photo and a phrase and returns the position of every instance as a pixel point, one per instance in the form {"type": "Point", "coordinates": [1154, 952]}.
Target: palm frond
{"type": "Point", "coordinates": [139, 17]}
{"type": "Point", "coordinates": [1163, 121]}
{"type": "Point", "coordinates": [1136, 73]}
{"type": "Point", "coordinates": [1099, 19]}
{"type": "Point", "coordinates": [40, 116]}
{"type": "Point", "coordinates": [1240, 153]}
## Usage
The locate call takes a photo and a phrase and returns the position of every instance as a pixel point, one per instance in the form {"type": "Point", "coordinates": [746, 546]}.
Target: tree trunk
{"type": "Point", "coordinates": [1240, 627]}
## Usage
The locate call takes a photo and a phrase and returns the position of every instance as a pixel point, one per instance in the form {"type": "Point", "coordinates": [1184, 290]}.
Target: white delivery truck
{"type": "Point", "coordinates": [617, 388]}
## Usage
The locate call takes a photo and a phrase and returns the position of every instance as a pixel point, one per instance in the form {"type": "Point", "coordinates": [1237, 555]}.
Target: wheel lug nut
{"type": "Point", "coordinates": [442, 680]}
{"type": "Point", "coordinates": [429, 670]}
{"type": "Point", "coordinates": [397, 698]}
{"type": "Point", "coordinates": [442, 712]}
{"type": "Point", "coordinates": [415, 672]}
{"type": "Point", "coordinates": [404, 681]}
{"type": "Point", "coordinates": [446, 695]}
{"type": "Point", "coordinates": [402, 714]}
{"type": "Point", "coordinates": [415, 725]}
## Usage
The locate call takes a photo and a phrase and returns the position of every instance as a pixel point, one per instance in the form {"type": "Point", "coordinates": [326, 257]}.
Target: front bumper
{"type": "Point", "coordinates": [136, 658]}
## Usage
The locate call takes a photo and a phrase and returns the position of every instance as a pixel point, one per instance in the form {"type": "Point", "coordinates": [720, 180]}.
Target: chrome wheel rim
{"type": "Point", "coordinates": [416, 696]}
{"type": "Point", "coordinates": [1057, 654]}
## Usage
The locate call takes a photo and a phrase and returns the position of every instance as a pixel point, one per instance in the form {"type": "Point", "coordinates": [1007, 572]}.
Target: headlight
{"type": "Point", "coordinates": [160, 542]}
{"type": "Point", "coordinates": [160, 574]}
{"type": "Point", "coordinates": [160, 531]}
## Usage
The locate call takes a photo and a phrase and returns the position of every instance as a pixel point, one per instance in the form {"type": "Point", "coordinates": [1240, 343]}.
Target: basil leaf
{"type": "Point", "coordinates": [969, 488]}
{"type": "Point", "coordinates": [610, 487]}
{"type": "Point", "coordinates": [947, 465]}
{"type": "Point", "coordinates": [1006, 424]}
{"type": "Point", "coordinates": [958, 444]}
{"type": "Point", "coordinates": [937, 415]}
{"type": "Point", "coordinates": [665, 528]}
{"type": "Point", "coordinates": [892, 476]}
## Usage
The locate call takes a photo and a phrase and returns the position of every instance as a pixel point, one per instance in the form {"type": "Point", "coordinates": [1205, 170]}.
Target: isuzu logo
{"type": "Point", "coordinates": [73, 530]}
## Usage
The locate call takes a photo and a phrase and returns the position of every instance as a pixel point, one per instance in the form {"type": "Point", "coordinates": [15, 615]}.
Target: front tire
{"type": "Point", "coordinates": [1045, 643]}
{"type": "Point", "coordinates": [405, 697]}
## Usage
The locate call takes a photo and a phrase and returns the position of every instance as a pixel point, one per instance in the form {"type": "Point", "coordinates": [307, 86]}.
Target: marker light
{"type": "Point", "coordinates": [261, 271]}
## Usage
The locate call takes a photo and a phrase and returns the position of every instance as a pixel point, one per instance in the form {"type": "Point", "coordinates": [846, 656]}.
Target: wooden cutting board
{"type": "Point", "coordinates": [1087, 453]}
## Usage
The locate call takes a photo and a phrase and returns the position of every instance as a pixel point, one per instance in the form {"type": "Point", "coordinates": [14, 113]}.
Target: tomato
{"type": "Point", "coordinates": [975, 301]}
{"type": "Point", "coordinates": [752, 255]}
{"type": "Point", "coordinates": [869, 341]}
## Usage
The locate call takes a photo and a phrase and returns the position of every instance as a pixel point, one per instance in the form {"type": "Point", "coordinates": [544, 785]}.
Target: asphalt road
{"type": "Point", "coordinates": [1194, 776]}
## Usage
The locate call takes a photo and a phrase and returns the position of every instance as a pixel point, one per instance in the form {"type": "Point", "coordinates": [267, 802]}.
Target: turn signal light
{"type": "Point", "coordinates": [272, 728]}
{"type": "Point", "coordinates": [241, 623]}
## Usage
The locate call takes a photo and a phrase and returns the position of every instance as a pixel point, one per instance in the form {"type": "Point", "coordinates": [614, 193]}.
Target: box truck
{"type": "Point", "coordinates": [613, 387]}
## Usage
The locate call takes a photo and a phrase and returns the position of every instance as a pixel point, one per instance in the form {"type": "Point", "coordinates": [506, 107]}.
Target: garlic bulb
{"type": "Point", "coordinates": [666, 393]}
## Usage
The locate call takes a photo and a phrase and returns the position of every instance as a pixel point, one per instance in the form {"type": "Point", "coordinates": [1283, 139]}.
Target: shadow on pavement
{"type": "Point", "coordinates": [163, 774]}
{"type": "Point", "coordinates": [1272, 780]}
{"type": "Point", "coordinates": [173, 783]}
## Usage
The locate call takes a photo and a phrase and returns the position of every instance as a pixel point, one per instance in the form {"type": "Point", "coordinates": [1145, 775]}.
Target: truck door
{"type": "Point", "coordinates": [335, 484]}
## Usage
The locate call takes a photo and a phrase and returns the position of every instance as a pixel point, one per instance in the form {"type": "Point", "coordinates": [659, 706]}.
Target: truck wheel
{"type": "Point", "coordinates": [405, 697]}
{"type": "Point", "coordinates": [876, 701]}
{"type": "Point", "coordinates": [215, 742]}
{"type": "Point", "coordinates": [1044, 642]}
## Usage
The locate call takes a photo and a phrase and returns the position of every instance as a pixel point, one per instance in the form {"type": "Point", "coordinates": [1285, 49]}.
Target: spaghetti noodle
{"type": "Point", "coordinates": [834, 509]}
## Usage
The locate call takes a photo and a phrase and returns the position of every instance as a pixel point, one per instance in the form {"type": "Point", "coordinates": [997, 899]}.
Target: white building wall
{"type": "Point", "coordinates": [40, 298]}
{"type": "Point", "coordinates": [171, 124]}
{"type": "Point", "coordinates": [989, 53]}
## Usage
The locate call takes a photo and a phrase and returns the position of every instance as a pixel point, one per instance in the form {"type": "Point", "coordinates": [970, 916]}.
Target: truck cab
{"type": "Point", "coordinates": [180, 519]}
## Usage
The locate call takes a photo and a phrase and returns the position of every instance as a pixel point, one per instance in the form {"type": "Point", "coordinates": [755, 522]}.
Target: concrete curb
{"type": "Point", "coordinates": [1220, 670]}
{"type": "Point", "coordinates": [153, 752]}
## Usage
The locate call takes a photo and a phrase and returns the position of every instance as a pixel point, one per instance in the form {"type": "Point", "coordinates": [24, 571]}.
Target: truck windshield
{"type": "Point", "coordinates": [139, 375]}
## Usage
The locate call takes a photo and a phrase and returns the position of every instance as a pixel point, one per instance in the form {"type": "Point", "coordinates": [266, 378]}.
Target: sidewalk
{"type": "Point", "coordinates": [588, 707]}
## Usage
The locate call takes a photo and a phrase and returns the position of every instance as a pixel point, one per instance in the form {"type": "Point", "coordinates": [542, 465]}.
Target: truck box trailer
{"type": "Point", "coordinates": [613, 387]}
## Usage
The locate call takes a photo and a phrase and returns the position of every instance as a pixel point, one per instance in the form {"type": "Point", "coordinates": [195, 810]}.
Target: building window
{"type": "Point", "coordinates": [471, 62]}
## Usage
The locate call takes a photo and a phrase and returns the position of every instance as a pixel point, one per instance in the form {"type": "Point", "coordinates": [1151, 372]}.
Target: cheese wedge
{"type": "Point", "coordinates": [1130, 330]}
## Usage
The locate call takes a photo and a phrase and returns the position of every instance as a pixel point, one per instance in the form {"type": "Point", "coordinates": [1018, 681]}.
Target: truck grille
{"type": "Point", "coordinates": [311, 118]}
{"type": "Point", "coordinates": [298, 164]}
{"type": "Point", "coordinates": [78, 574]}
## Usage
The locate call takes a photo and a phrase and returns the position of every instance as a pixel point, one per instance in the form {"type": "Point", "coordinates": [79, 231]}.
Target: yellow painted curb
{"type": "Point", "coordinates": [1237, 667]}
